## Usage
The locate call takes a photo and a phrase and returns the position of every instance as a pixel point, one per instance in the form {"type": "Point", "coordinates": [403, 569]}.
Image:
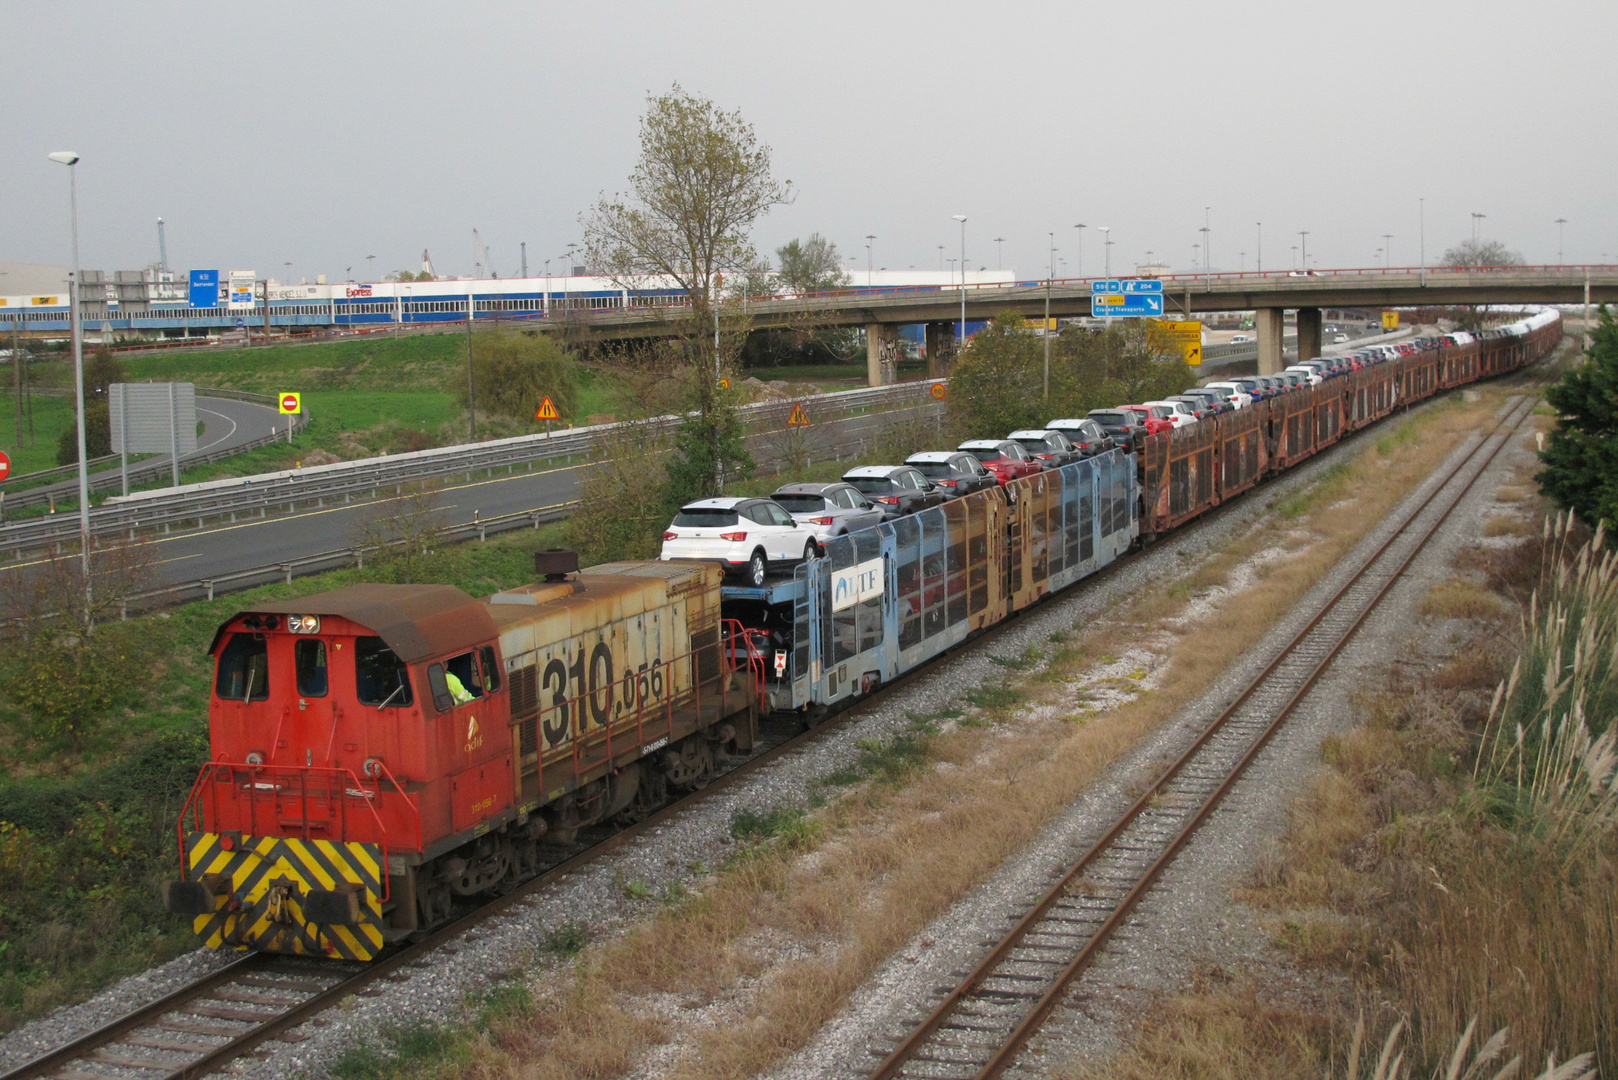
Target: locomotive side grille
{"type": "Point", "coordinates": [525, 693]}
{"type": "Point", "coordinates": [528, 737]}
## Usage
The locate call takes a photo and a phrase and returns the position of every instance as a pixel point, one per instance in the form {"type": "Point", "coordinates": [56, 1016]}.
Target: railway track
{"type": "Point", "coordinates": [979, 1027]}
{"type": "Point", "coordinates": [199, 1028]}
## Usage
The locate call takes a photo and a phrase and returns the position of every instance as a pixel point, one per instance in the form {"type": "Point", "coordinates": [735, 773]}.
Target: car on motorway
{"type": "Point", "coordinates": [1125, 427]}
{"type": "Point", "coordinates": [748, 536]}
{"type": "Point", "coordinates": [1050, 448]}
{"type": "Point", "coordinates": [1240, 339]}
{"type": "Point", "coordinates": [834, 509]}
{"type": "Point", "coordinates": [1237, 394]}
{"type": "Point", "coordinates": [1006, 459]}
{"type": "Point", "coordinates": [953, 472]}
{"type": "Point", "coordinates": [897, 490]}
{"type": "Point", "coordinates": [1087, 436]}
{"type": "Point", "coordinates": [1153, 419]}
{"type": "Point", "coordinates": [1338, 339]}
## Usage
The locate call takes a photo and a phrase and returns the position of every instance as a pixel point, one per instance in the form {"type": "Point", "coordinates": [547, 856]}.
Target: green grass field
{"type": "Point", "coordinates": [52, 416]}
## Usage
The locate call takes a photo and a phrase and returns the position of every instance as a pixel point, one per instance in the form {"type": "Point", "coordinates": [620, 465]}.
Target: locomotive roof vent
{"type": "Point", "coordinates": [555, 564]}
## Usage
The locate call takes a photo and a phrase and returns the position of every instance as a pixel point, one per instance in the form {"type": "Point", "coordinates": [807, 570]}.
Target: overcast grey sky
{"type": "Point", "coordinates": [320, 133]}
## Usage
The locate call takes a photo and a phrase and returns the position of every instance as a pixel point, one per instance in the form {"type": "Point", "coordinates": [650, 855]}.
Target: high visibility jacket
{"type": "Point", "coordinates": [456, 690]}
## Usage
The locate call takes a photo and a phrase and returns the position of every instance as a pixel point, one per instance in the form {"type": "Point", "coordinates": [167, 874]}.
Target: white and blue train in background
{"type": "Point", "coordinates": [147, 304]}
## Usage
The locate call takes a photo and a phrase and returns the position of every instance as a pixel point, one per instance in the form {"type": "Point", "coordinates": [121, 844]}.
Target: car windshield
{"type": "Point", "coordinates": [933, 469]}
{"type": "Point", "coordinates": [869, 485]}
{"type": "Point", "coordinates": [986, 455]}
{"type": "Point", "coordinates": [800, 504]}
{"type": "Point", "coordinates": [1117, 419]}
{"type": "Point", "coordinates": [704, 517]}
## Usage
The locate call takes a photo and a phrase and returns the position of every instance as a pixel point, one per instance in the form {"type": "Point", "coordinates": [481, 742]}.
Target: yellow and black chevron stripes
{"type": "Point", "coordinates": [260, 886]}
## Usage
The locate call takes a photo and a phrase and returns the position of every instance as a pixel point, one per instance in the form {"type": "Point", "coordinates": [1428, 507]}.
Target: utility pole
{"type": "Point", "coordinates": [471, 384]}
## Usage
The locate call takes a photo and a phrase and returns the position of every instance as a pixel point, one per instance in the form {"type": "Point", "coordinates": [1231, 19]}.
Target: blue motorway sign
{"type": "Point", "coordinates": [204, 288]}
{"type": "Point", "coordinates": [1126, 298]}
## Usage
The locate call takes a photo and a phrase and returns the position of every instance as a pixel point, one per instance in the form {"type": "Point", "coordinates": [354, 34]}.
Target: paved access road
{"type": "Point", "coordinates": [226, 424]}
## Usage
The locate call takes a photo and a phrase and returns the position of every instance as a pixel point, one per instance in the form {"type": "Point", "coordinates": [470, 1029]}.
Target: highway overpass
{"type": "Point", "coordinates": [1269, 294]}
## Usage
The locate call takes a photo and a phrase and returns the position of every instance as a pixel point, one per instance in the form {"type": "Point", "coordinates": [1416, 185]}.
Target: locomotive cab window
{"type": "Point", "coordinates": [244, 669]}
{"type": "Point", "coordinates": [309, 659]}
{"type": "Point", "coordinates": [380, 677]}
{"type": "Point", "coordinates": [455, 681]}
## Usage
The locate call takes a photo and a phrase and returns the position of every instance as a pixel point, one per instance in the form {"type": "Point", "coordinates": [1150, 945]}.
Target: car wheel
{"type": "Point", "coordinates": [811, 550]}
{"type": "Point", "coordinates": [756, 569]}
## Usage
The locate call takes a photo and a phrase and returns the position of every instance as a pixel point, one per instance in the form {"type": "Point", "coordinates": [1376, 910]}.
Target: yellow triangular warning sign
{"type": "Point", "coordinates": [547, 410]}
{"type": "Point", "coordinates": [799, 417]}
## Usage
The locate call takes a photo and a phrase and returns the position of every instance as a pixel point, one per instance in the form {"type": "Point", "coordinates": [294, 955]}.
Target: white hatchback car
{"type": "Point", "coordinates": [1315, 378]}
{"type": "Point", "coordinates": [1239, 397]}
{"type": "Point", "coordinates": [747, 535]}
{"type": "Point", "coordinates": [1183, 416]}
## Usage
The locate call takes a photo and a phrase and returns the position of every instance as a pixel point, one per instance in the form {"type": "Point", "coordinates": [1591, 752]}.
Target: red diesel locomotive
{"type": "Point", "coordinates": [379, 750]}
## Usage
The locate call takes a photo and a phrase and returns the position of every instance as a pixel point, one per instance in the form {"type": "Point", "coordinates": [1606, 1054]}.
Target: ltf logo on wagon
{"type": "Point", "coordinates": [1126, 298]}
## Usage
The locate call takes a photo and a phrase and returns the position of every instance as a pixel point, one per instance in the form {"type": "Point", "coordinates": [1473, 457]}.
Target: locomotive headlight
{"type": "Point", "coordinates": [303, 624]}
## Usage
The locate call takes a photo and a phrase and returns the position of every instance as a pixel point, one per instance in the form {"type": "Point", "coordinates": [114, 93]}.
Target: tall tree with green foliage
{"type": "Point", "coordinates": [812, 265]}
{"type": "Point", "coordinates": [1581, 458]}
{"type": "Point", "coordinates": [702, 180]}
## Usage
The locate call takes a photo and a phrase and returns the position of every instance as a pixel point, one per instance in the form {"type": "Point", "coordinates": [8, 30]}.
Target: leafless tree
{"type": "Point", "coordinates": [401, 530]}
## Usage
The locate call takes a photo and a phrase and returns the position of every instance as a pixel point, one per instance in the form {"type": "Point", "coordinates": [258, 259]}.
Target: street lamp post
{"type": "Point", "coordinates": [961, 337]}
{"type": "Point", "coordinates": [1106, 248]}
{"type": "Point", "coordinates": [1303, 240]}
{"type": "Point", "coordinates": [1559, 223]}
{"type": "Point", "coordinates": [868, 261]}
{"type": "Point", "coordinates": [999, 253]}
{"type": "Point", "coordinates": [1477, 218]}
{"type": "Point", "coordinates": [1050, 275]}
{"type": "Point", "coordinates": [1421, 220]}
{"type": "Point", "coordinates": [941, 256]}
{"type": "Point", "coordinates": [1081, 249]}
{"type": "Point", "coordinates": [1207, 244]}
{"type": "Point", "coordinates": [1258, 251]}
{"type": "Point", "coordinates": [370, 268]}
{"type": "Point", "coordinates": [1387, 251]}
{"type": "Point", "coordinates": [70, 159]}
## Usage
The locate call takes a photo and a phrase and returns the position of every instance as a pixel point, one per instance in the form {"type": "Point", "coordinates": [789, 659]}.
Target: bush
{"type": "Point", "coordinates": [1581, 459]}
{"type": "Point", "coordinates": [514, 371]}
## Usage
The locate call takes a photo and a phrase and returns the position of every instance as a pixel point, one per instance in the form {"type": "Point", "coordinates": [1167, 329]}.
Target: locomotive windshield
{"type": "Point", "coordinates": [380, 677]}
{"type": "Point", "coordinates": [244, 669]}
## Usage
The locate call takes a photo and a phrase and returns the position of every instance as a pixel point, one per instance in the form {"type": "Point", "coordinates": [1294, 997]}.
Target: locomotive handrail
{"type": "Point", "coordinates": [214, 774]}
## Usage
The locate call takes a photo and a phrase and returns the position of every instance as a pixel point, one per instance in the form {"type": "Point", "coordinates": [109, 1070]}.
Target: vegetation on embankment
{"type": "Point", "coordinates": [1453, 861]}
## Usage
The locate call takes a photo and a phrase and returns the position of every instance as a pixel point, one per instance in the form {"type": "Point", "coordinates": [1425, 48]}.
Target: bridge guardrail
{"type": "Point", "coordinates": [344, 481]}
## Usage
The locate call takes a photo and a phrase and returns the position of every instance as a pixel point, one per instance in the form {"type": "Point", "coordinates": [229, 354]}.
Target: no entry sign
{"type": "Point", "coordinates": [5, 465]}
{"type": "Point", "coordinates": [291, 403]}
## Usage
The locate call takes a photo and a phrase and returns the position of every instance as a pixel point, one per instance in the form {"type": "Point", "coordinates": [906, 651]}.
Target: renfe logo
{"type": "Point", "coordinates": [861, 582]}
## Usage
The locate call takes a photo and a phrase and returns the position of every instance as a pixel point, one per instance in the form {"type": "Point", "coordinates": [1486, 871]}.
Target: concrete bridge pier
{"type": "Point", "coordinates": [881, 354]}
{"type": "Point", "coordinates": [940, 348]}
{"type": "Point", "coordinates": [1308, 333]}
{"type": "Point", "coordinates": [1270, 323]}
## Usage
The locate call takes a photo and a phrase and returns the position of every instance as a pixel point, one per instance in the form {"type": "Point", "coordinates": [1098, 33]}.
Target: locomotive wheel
{"type": "Point", "coordinates": [688, 764]}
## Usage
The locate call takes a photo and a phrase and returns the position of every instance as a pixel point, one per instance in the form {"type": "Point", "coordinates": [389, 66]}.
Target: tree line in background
{"type": "Point", "coordinates": [997, 384]}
